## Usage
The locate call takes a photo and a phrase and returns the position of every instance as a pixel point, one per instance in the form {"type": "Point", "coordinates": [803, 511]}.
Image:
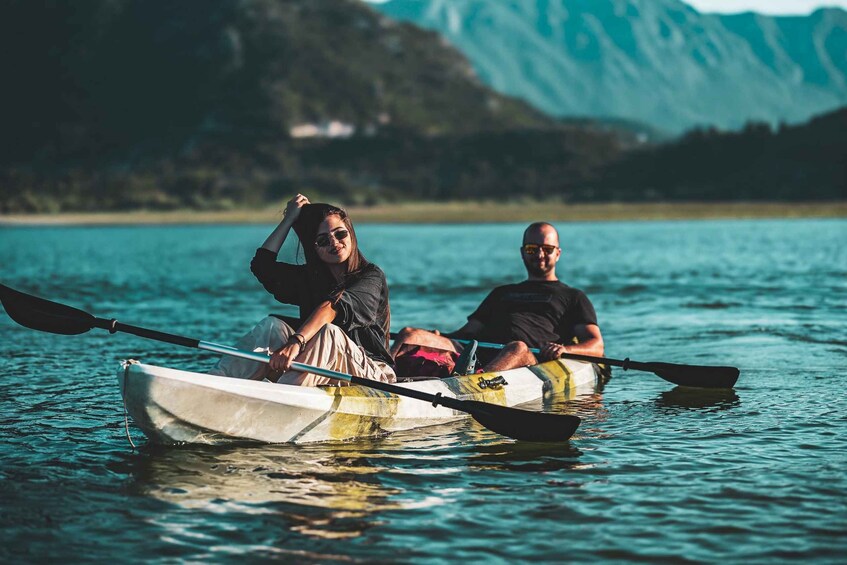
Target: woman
{"type": "Point", "coordinates": [342, 298]}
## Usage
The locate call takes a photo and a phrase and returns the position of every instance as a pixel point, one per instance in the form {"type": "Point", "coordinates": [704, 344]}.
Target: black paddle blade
{"type": "Point", "coordinates": [39, 314]}
{"type": "Point", "coordinates": [696, 375]}
{"type": "Point", "coordinates": [522, 424]}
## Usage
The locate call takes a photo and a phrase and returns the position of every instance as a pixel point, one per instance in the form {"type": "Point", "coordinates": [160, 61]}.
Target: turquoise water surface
{"type": "Point", "coordinates": [655, 472]}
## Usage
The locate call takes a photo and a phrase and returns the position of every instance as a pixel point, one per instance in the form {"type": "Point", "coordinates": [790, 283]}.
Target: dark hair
{"type": "Point", "coordinates": [306, 228]}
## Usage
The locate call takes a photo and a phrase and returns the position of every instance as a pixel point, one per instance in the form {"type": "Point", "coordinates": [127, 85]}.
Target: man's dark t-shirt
{"type": "Point", "coordinates": [535, 312]}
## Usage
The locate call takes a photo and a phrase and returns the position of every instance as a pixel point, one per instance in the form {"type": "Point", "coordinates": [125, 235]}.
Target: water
{"type": "Point", "coordinates": [655, 473]}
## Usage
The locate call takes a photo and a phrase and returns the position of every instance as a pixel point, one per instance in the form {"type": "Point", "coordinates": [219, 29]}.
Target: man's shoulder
{"type": "Point", "coordinates": [550, 288]}
{"type": "Point", "coordinates": [506, 287]}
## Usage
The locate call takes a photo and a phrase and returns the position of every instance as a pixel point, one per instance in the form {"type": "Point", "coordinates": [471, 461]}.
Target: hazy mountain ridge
{"type": "Point", "coordinates": [656, 61]}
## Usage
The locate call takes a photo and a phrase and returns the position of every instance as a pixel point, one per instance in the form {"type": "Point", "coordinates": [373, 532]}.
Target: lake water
{"type": "Point", "coordinates": [655, 473]}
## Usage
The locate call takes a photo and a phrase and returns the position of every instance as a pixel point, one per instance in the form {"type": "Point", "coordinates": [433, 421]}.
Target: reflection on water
{"type": "Point", "coordinates": [326, 491]}
{"type": "Point", "coordinates": [707, 400]}
{"type": "Point", "coordinates": [333, 490]}
{"type": "Point", "coordinates": [524, 456]}
{"type": "Point", "coordinates": [653, 474]}
{"type": "Point", "coordinates": [329, 475]}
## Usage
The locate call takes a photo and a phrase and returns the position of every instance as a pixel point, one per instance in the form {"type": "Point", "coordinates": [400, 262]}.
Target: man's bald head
{"type": "Point", "coordinates": [540, 251]}
{"type": "Point", "coordinates": [541, 232]}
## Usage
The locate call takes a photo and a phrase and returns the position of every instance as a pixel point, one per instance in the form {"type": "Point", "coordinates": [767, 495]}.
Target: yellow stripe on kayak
{"type": "Point", "coordinates": [469, 387]}
{"type": "Point", "coordinates": [362, 411]}
{"type": "Point", "coordinates": [556, 376]}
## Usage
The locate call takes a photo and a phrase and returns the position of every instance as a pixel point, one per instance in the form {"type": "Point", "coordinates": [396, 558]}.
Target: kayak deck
{"type": "Point", "coordinates": [173, 406]}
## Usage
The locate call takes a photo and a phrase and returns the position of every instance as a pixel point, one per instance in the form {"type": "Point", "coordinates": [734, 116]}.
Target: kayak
{"type": "Point", "coordinates": [173, 406]}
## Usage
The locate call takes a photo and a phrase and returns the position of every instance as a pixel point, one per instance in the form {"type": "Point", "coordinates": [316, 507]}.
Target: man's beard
{"type": "Point", "coordinates": [536, 270]}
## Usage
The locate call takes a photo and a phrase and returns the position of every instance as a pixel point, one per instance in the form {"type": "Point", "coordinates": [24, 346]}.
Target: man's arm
{"type": "Point", "coordinates": [590, 343]}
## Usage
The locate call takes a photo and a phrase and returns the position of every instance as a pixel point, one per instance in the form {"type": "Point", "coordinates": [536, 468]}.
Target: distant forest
{"type": "Point", "coordinates": [794, 163]}
{"type": "Point", "coordinates": [130, 104]}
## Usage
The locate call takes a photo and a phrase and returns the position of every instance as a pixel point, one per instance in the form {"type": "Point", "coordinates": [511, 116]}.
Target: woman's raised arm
{"type": "Point", "coordinates": [292, 210]}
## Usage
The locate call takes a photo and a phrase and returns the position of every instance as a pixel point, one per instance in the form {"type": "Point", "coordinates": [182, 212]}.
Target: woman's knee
{"type": "Point", "coordinates": [332, 334]}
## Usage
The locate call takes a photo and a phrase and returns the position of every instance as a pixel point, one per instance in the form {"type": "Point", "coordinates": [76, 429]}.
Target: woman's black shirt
{"type": "Point", "coordinates": [361, 302]}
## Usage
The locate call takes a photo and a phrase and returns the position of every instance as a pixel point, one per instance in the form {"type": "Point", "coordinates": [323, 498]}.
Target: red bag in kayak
{"type": "Point", "coordinates": [422, 361]}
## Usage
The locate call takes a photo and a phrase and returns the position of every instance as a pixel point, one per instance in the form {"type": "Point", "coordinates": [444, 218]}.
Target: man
{"type": "Point", "coordinates": [540, 312]}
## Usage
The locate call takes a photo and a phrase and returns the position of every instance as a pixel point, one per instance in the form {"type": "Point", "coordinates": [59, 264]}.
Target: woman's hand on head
{"type": "Point", "coordinates": [292, 209]}
{"type": "Point", "coordinates": [283, 357]}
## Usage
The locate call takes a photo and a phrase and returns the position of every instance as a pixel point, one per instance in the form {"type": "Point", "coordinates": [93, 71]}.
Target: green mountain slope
{"type": "Point", "coordinates": [122, 78]}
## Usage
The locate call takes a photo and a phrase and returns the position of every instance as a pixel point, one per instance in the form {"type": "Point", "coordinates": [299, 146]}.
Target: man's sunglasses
{"type": "Point", "coordinates": [532, 249]}
{"type": "Point", "coordinates": [323, 239]}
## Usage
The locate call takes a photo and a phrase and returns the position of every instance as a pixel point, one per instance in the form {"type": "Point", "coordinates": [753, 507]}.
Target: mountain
{"type": "Point", "coordinates": [654, 61]}
{"type": "Point", "coordinates": [128, 79]}
{"type": "Point", "coordinates": [117, 104]}
{"type": "Point", "coordinates": [126, 104]}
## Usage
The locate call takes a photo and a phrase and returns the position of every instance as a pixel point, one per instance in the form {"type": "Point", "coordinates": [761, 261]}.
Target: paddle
{"type": "Point", "coordinates": [702, 376]}
{"type": "Point", "coordinates": [44, 315]}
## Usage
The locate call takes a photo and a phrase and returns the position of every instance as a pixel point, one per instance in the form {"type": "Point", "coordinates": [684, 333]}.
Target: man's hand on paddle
{"type": "Point", "coordinates": [552, 351]}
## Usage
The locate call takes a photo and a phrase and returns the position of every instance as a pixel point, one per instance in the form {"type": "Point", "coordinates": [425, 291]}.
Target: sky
{"type": "Point", "coordinates": [765, 6]}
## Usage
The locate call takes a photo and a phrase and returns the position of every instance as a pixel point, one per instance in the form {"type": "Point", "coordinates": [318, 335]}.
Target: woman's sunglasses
{"type": "Point", "coordinates": [532, 249]}
{"type": "Point", "coordinates": [323, 239]}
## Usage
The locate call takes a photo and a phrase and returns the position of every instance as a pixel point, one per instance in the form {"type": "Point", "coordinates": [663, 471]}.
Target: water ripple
{"type": "Point", "coordinates": [656, 473]}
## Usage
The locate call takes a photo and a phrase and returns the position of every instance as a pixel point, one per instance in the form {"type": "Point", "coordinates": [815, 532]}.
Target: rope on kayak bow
{"type": "Point", "coordinates": [126, 413]}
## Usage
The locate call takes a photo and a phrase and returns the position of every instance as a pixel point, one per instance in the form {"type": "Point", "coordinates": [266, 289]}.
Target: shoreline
{"type": "Point", "coordinates": [456, 213]}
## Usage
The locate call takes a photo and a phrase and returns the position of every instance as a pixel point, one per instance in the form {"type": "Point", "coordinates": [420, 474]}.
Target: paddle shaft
{"type": "Point", "coordinates": [436, 399]}
{"type": "Point", "coordinates": [504, 420]}
{"type": "Point", "coordinates": [626, 363]}
{"type": "Point", "coordinates": [685, 375]}
{"type": "Point", "coordinates": [115, 326]}
{"type": "Point", "coordinates": [508, 421]}
{"type": "Point", "coordinates": [45, 315]}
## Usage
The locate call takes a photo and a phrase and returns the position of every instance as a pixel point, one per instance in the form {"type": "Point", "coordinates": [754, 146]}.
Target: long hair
{"type": "Point", "coordinates": [306, 227]}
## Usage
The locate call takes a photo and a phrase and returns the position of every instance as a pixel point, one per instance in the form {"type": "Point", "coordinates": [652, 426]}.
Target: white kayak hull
{"type": "Point", "coordinates": [172, 406]}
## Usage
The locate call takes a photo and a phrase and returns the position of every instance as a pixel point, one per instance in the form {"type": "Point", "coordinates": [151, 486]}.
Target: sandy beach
{"type": "Point", "coordinates": [457, 212]}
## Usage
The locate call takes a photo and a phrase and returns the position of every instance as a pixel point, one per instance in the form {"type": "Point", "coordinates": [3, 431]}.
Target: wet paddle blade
{"type": "Point", "coordinates": [522, 424]}
{"type": "Point", "coordinates": [696, 376]}
{"type": "Point", "coordinates": [39, 314]}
